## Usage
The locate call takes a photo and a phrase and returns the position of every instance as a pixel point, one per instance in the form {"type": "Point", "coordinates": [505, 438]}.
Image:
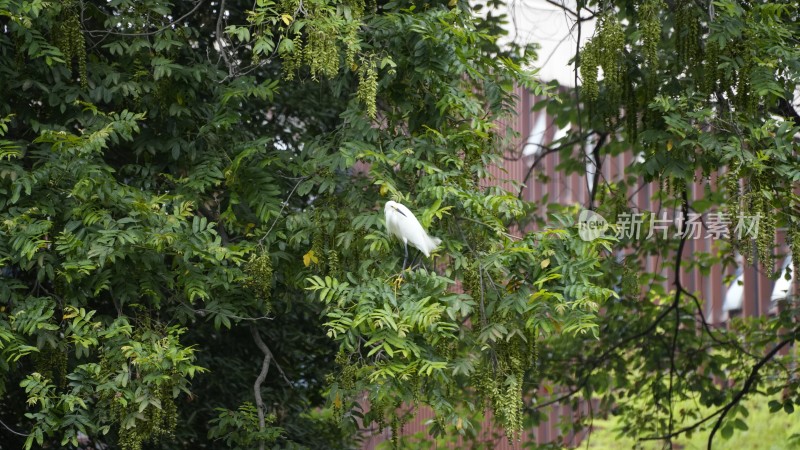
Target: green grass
{"type": "Point", "coordinates": [766, 431]}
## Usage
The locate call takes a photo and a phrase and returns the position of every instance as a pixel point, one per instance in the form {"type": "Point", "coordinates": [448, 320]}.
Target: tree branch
{"type": "Point", "coordinates": [676, 306]}
{"type": "Point", "coordinates": [787, 110]}
{"type": "Point", "coordinates": [748, 384]}
{"type": "Point", "coordinates": [540, 156]}
{"type": "Point", "coordinates": [261, 377]}
{"type": "Point", "coordinates": [598, 168]}
{"type": "Point", "coordinates": [220, 41]}
{"type": "Point", "coordinates": [11, 430]}
{"type": "Point", "coordinates": [683, 430]}
{"type": "Point", "coordinates": [595, 362]}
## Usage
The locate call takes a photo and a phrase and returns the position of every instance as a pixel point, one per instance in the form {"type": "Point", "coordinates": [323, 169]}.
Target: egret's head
{"type": "Point", "coordinates": [392, 206]}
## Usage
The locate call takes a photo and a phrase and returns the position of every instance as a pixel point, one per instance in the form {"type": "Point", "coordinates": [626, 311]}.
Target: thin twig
{"type": "Point", "coordinates": [510, 236]}
{"type": "Point", "coordinates": [540, 156]}
{"type": "Point", "coordinates": [11, 430]}
{"type": "Point", "coordinates": [280, 213]}
{"type": "Point", "coordinates": [202, 311]}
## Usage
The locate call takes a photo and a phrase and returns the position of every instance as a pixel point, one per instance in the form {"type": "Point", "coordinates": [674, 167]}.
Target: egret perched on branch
{"type": "Point", "coordinates": [402, 223]}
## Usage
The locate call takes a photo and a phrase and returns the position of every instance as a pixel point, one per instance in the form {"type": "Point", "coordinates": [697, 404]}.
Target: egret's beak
{"type": "Point", "coordinates": [401, 212]}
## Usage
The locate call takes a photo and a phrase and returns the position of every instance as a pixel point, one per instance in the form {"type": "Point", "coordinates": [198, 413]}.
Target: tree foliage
{"type": "Point", "coordinates": [703, 94]}
{"type": "Point", "coordinates": [190, 188]}
{"type": "Point", "coordinates": [192, 244]}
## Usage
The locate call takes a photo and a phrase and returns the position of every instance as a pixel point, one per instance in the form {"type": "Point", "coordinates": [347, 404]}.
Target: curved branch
{"type": "Point", "coordinates": [594, 363]}
{"type": "Point", "coordinates": [748, 384]}
{"type": "Point", "coordinates": [11, 430]}
{"type": "Point", "coordinates": [261, 377]}
{"type": "Point", "coordinates": [677, 433]}
{"type": "Point", "coordinates": [725, 409]}
{"type": "Point", "coordinates": [540, 156]}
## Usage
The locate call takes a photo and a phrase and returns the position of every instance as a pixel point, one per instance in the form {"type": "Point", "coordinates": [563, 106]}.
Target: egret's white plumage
{"type": "Point", "coordinates": [402, 223]}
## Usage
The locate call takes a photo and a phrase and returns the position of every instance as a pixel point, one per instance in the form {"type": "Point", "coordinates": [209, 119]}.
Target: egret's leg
{"type": "Point", "coordinates": [415, 261]}
{"type": "Point", "coordinates": [406, 257]}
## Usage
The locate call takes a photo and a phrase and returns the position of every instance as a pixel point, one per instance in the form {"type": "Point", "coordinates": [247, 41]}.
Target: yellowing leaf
{"type": "Point", "coordinates": [70, 313]}
{"type": "Point", "coordinates": [384, 190]}
{"type": "Point", "coordinates": [337, 401]}
{"type": "Point", "coordinates": [287, 19]}
{"type": "Point", "coordinates": [545, 263]}
{"type": "Point", "coordinates": [452, 3]}
{"type": "Point", "coordinates": [669, 145]}
{"type": "Point", "coordinates": [310, 257]}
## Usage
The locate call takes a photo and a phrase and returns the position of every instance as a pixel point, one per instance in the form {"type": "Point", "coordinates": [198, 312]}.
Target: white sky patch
{"type": "Point", "coordinates": [556, 32]}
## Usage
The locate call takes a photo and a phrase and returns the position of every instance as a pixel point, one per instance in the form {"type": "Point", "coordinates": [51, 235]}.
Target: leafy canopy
{"type": "Point", "coordinates": [188, 188]}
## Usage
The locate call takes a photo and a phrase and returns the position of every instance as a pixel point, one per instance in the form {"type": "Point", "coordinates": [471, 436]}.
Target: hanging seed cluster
{"type": "Point", "coordinates": [345, 377]}
{"type": "Point", "coordinates": [650, 29]}
{"type": "Point", "coordinates": [325, 36]}
{"type": "Point", "coordinates": [605, 51]}
{"type": "Point", "coordinates": [151, 424]}
{"type": "Point", "coordinates": [69, 39]}
{"type": "Point", "coordinates": [631, 284]}
{"type": "Point", "coordinates": [746, 101]}
{"type": "Point", "coordinates": [756, 203]}
{"type": "Point", "coordinates": [794, 247]}
{"type": "Point", "coordinates": [732, 207]}
{"type": "Point", "coordinates": [499, 382]}
{"type": "Point", "coordinates": [367, 92]}
{"type": "Point", "coordinates": [711, 68]}
{"type": "Point", "coordinates": [687, 35]}
{"type": "Point", "coordinates": [258, 272]}
{"type": "Point", "coordinates": [52, 364]}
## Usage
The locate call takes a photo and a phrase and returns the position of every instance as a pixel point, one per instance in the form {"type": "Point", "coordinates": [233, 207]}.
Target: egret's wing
{"type": "Point", "coordinates": [401, 222]}
{"type": "Point", "coordinates": [411, 229]}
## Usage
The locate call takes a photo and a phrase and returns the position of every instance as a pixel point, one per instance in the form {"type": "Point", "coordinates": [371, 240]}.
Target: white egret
{"type": "Point", "coordinates": [400, 221]}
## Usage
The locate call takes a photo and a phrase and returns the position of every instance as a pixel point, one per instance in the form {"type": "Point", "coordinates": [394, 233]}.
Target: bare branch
{"type": "Point", "coordinates": [260, 379]}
